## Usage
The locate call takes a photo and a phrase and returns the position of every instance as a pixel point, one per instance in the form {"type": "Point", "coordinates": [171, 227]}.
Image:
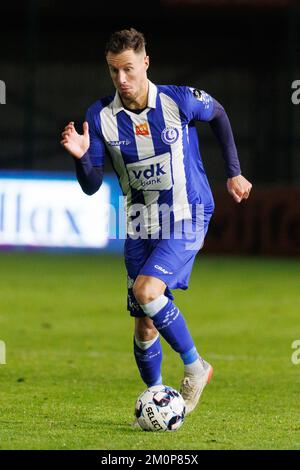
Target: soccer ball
{"type": "Point", "coordinates": [160, 408]}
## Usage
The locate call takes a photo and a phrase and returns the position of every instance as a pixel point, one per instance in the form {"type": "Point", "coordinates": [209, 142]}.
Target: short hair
{"type": "Point", "coordinates": [125, 39]}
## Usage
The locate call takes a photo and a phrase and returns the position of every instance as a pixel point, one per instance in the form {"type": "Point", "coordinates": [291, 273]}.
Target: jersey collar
{"type": "Point", "coordinates": [152, 93]}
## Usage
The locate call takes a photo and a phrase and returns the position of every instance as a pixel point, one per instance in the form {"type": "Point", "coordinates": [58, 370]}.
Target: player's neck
{"type": "Point", "coordinates": [140, 101]}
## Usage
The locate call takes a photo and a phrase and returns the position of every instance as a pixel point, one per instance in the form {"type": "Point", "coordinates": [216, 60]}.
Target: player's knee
{"type": "Point", "coordinates": [144, 292]}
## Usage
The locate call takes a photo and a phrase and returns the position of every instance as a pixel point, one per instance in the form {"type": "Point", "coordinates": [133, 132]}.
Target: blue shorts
{"type": "Point", "coordinates": [170, 260]}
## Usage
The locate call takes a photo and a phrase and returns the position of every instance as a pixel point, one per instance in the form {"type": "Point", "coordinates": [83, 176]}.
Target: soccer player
{"type": "Point", "coordinates": [148, 131]}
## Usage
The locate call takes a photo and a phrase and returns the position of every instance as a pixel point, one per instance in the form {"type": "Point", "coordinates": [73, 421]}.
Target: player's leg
{"type": "Point", "coordinates": [166, 317]}
{"type": "Point", "coordinates": [170, 264]}
{"type": "Point", "coordinates": [147, 351]}
{"type": "Point", "coordinates": [146, 340]}
{"type": "Point", "coordinates": [145, 330]}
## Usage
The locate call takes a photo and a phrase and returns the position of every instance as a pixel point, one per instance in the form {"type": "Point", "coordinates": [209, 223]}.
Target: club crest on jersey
{"type": "Point", "coordinates": [170, 135]}
{"type": "Point", "coordinates": [142, 129]}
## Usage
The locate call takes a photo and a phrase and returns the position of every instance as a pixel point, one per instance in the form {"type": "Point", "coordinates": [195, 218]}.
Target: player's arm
{"type": "Point", "coordinates": [237, 185]}
{"type": "Point", "coordinates": [202, 107]}
{"type": "Point", "coordinates": [87, 152]}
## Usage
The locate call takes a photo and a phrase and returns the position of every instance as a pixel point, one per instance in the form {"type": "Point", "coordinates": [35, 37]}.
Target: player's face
{"type": "Point", "coordinates": [128, 71]}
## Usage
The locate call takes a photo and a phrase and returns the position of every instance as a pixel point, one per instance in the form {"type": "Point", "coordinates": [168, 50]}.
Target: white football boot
{"type": "Point", "coordinates": [192, 386]}
{"type": "Point", "coordinates": [135, 424]}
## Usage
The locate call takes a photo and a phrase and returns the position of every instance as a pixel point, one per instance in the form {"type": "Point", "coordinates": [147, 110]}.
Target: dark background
{"type": "Point", "coordinates": [244, 53]}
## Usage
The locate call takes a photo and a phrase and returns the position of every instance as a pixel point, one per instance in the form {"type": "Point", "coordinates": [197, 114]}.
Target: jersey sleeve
{"type": "Point", "coordinates": [96, 149]}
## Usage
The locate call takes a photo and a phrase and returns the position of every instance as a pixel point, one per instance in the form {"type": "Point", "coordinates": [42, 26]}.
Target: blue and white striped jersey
{"type": "Point", "coordinates": [155, 153]}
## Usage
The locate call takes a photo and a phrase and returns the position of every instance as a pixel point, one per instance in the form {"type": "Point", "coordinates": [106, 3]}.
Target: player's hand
{"type": "Point", "coordinates": [76, 144]}
{"type": "Point", "coordinates": [239, 187]}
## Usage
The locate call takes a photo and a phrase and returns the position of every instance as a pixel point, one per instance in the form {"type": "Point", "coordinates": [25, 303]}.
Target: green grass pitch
{"type": "Point", "coordinates": [70, 381]}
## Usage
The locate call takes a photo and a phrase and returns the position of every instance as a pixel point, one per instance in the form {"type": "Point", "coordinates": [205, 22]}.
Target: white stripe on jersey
{"type": "Point", "coordinates": [110, 132]}
{"type": "Point", "coordinates": [144, 143]}
{"type": "Point", "coordinates": [145, 149]}
{"type": "Point", "coordinates": [180, 198]}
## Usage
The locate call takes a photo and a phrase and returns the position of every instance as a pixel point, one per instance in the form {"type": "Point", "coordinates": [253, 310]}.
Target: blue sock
{"type": "Point", "coordinates": [170, 323]}
{"type": "Point", "coordinates": [149, 362]}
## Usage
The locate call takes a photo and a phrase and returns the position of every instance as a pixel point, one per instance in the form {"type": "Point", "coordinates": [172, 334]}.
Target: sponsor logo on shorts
{"type": "Point", "coordinates": [130, 282]}
{"type": "Point", "coordinates": [163, 270]}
